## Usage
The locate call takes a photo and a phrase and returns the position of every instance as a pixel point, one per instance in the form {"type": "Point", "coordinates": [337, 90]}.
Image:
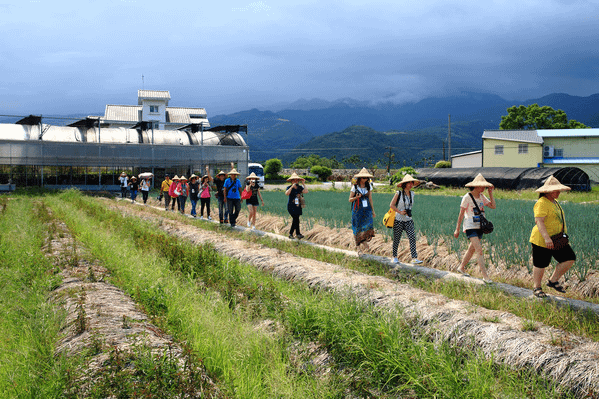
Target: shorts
{"type": "Point", "coordinates": [471, 233]}
{"type": "Point", "coordinates": [541, 256]}
{"type": "Point", "coordinates": [251, 201]}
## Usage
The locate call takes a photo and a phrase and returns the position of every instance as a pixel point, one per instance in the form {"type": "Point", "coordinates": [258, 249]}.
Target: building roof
{"type": "Point", "coordinates": [186, 115]}
{"type": "Point", "coordinates": [467, 153]}
{"type": "Point", "coordinates": [524, 136]}
{"type": "Point", "coordinates": [153, 95]}
{"type": "Point", "coordinates": [571, 161]}
{"type": "Point", "coordinates": [568, 133]}
{"type": "Point", "coordinates": [125, 113]}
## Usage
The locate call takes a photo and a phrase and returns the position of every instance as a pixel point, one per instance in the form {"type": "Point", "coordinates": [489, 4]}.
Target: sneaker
{"type": "Point", "coordinates": [416, 261]}
{"type": "Point", "coordinates": [249, 224]}
{"type": "Point", "coordinates": [201, 217]}
{"type": "Point", "coordinates": [253, 227]}
{"type": "Point", "coordinates": [291, 236]}
{"type": "Point", "coordinates": [226, 221]}
{"type": "Point", "coordinates": [394, 260]}
{"type": "Point", "coordinates": [209, 218]}
{"type": "Point", "coordinates": [299, 236]}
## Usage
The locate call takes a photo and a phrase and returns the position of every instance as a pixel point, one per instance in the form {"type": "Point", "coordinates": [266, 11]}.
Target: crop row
{"type": "Point", "coordinates": [435, 217]}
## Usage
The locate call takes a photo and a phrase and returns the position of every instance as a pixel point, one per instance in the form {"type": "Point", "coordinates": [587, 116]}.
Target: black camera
{"type": "Point", "coordinates": [409, 213]}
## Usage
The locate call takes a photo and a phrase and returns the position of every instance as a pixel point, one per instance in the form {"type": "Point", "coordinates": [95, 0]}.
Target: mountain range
{"type": "Point", "coordinates": [414, 131]}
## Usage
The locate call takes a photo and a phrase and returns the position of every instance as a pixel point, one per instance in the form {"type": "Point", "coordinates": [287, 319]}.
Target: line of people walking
{"type": "Point", "coordinates": [548, 238]}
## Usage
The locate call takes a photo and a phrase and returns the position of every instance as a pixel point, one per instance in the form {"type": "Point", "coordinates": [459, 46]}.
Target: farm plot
{"type": "Point", "coordinates": [435, 218]}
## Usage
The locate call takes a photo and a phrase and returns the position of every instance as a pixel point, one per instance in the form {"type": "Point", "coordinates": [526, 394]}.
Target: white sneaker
{"type": "Point", "coordinates": [394, 260]}
{"type": "Point", "coordinates": [416, 261]}
{"type": "Point", "coordinates": [249, 224]}
{"type": "Point", "coordinates": [253, 227]}
{"type": "Point", "coordinates": [201, 217]}
{"type": "Point", "coordinates": [209, 218]}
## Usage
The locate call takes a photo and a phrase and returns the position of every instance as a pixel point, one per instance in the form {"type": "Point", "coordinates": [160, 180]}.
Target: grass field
{"type": "Point", "coordinates": [214, 305]}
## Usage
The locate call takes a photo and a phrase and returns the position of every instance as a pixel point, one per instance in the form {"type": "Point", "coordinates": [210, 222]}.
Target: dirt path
{"type": "Point", "coordinates": [570, 360]}
{"type": "Point", "coordinates": [101, 318]}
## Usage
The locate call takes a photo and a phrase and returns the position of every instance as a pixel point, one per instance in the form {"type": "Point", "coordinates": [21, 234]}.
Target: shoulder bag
{"type": "Point", "coordinates": [389, 218]}
{"type": "Point", "coordinates": [485, 225]}
{"type": "Point", "coordinates": [561, 239]}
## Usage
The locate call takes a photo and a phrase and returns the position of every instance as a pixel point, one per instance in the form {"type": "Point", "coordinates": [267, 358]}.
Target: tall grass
{"type": "Point", "coordinates": [30, 324]}
{"type": "Point", "coordinates": [383, 354]}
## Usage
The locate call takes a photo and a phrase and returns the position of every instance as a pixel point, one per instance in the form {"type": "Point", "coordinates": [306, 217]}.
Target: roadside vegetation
{"type": "Point", "coordinates": [257, 335]}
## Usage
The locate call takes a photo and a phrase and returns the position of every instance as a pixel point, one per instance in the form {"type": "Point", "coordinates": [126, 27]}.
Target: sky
{"type": "Point", "coordinates": [71, 57]}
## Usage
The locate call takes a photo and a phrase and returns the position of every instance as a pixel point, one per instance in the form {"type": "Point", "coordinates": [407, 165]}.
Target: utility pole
{"type": "Point", "coordinates": [390, 156]}
{"type": "Point", "coordinates": [444, 150]}
{"type": "Point", "coordinates": [449, 136]}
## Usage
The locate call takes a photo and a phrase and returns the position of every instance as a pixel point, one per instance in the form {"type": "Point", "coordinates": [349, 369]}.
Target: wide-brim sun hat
{"type": "Point", "coordinates": [123, 174]}
{"type": "Point", "coordinates": [221, 173]}
{"type": "Point", "coordinates": [479, 181]}
{"type": "Point", "coordinates": [183, 178]}
{"type": "Point", "coordinates": [252, 176]}
{"type": "Point", "coordinates": [364, 173]}
{"type": "Point", "coordinates": [293, 176]}
{"type": "Point", "coordinates": [193, 176]}
{"type": "Point", "coordinates": [408, 178]}
{"type": "Point", "coordinates": [234, 172]}
{"type": "Point", "coordinates": [552, 184]}
{"type": "Point", "coordinates": [175, 177]}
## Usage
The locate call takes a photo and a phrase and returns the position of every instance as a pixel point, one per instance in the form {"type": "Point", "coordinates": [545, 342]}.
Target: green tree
{"type": "Point", "coordinates": [534, 117]}
{"type": "Point", "coordinates": [272, 167]}
{"type": "Point", "coordinates": [323, 172]}
{"type": "Point", "coordinates": [443, 164]}
{"type": "Point", "coordinates": [396, 178]}
{"type": "Point", "coordinates": [306, 162]}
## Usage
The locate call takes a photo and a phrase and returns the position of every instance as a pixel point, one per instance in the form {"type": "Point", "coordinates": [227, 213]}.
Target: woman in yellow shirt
{"type": "Point", "coordinates": [549, 221]}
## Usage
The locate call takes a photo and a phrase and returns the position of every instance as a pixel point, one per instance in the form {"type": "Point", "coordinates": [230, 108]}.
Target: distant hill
{"type": "Point", "coordinates": [269, 135]}
{"type": "Point", "coordinates": [409, 148]}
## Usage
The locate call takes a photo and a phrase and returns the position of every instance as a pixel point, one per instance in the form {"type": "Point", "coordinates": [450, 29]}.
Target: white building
{"type": "Point", "coordinates": [152, 106]}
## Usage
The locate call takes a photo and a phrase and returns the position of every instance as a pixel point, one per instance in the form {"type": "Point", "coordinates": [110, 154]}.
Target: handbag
{"type": "Point", "coordinates": [561, 239]}
{"type": "Point", "coordinates": [389, 218]}
{"type": "Point", "coordinates": [245, 194]}
{"type": "Point", "coordinates": [302, 201]}
{"type": "Point", "coordinates": [485, 225]}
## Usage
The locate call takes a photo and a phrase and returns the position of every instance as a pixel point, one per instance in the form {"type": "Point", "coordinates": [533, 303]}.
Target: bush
{"type": "Point", "coordinates": [396, 178]}
{"type": "Point", "coordinates": [323, 172]}
{"type": "Point", "coordinates": [272, 167]}
{"type": "Point", "coordinates": [443, 164]}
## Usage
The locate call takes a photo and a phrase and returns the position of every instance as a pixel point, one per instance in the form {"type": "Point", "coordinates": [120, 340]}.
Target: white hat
{"type": "Point", "coordinates": [364, 173]}
{"type": "Point", "coordinates": [408, 178]}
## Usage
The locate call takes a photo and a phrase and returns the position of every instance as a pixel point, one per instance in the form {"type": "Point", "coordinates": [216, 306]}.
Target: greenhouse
{"type": "Point", "coordinates": [87, 155]}
{"type": "Point", "coordinates": [508, 178]}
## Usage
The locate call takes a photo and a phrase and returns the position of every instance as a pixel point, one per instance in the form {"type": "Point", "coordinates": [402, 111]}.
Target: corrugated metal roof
{"type": "Point", "coordinates": [161, 94]}
{"type": "Point", "coordinates": [467, 153]}
{"type": "Point", "coordinates": [527, 136]}
{"type": "Point", "coordinates": [182, 115]}
{"type": "Point", "coordinates": [125, 113]}
{"type": "Point", "coordinates": [568, 133]}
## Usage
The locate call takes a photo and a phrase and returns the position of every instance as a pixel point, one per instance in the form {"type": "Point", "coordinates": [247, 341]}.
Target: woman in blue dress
{"type": "Point", "coordinates": [362, 215]}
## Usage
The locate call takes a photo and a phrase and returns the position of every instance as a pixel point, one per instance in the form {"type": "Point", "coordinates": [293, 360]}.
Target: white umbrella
{"type": "Point", "coordinates": [145, 175]}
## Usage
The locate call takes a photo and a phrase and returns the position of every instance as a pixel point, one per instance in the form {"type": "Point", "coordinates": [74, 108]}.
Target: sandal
{"type": "Point", "coordinates": [538, 292]}
{"type": "Point", "coordinates": [556, 286]}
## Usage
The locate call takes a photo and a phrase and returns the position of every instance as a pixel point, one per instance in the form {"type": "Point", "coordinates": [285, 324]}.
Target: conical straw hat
{"type": "Point", "coordinates": [408, 178]}
{"type": "Point", "coordinates": [252, 176]}
{"type": "Point", "coordinates": [479, 181]}
{"type": "Point", "coordinates": [363, 173]}
{"type": "Point", "coordinates": [221, 173]}
{"type": "Point", "coordinates": [294, 176]}
{"type": "Point", "coordinates": [552, 184]}
{"type": "Point", "coordinates": [175, 177]}
{"type": "Point", "coordinates": [183, 178]}
{"type": "Point", "coordinates": [234, 172]}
